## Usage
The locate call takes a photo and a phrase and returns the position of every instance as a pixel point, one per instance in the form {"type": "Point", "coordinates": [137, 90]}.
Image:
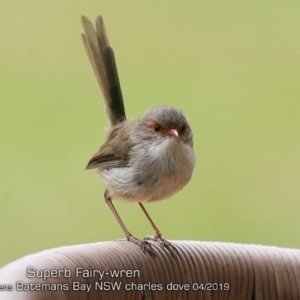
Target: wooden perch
{"type": "Point", "coordinates": [120, 270]}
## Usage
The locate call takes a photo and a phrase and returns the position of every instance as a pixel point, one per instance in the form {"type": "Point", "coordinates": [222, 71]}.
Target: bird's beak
{"type": "Point", "coordinates": [173, 132]}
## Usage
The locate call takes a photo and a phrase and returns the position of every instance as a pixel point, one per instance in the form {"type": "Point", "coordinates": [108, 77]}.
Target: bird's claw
{"type": "Point", "coordinates": [163, 244]}
{"type": "Point", "coordinates": [144, 245]}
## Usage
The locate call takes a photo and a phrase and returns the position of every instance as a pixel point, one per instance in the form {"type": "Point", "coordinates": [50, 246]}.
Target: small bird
{"type": "Point", "coordinates": [144, 160]}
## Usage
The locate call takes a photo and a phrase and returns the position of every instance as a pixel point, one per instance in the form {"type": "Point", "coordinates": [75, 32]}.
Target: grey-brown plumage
{"type": "Point", "coordinates": [144, 160]}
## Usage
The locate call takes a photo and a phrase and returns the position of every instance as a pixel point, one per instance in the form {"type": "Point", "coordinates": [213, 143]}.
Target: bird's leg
{"type": "Point", "coordinates": [144, 245]}
{"type": "Point", "coordinates": [158, 236]}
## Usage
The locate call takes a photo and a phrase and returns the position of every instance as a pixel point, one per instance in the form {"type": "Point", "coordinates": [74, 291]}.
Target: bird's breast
{"type": "Point", "coordinates": [172, 166]}
{"type": "Point", "coordinates": [155, 172]}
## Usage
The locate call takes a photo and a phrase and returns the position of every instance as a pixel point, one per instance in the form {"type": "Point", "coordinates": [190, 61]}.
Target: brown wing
{"type": "Point", "coordinates": [104, 159]}
{"type": "Point", "coordinates": [102, 60]}
{"type": "Point", "coordinates": [114, 153]}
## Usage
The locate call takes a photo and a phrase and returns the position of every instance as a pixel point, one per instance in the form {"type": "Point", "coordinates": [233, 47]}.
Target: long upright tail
{"type": "Point", "coordinates": [102, 60]}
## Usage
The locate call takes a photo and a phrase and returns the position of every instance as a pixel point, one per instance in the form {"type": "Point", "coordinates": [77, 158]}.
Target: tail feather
{"type": "Point", "coordinates": [102, 60]}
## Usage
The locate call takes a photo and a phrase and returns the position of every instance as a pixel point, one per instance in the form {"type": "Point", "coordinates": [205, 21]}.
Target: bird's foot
{"type": "Point", "coordinates": [144, 245]}
{"type": "Point", "coordinates": [163, 243]}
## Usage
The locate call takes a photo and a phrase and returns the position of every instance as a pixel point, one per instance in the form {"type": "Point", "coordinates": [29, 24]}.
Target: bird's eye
{"type": "Point", "coordinates": [182, 129]}
{"type": "Point", "coordinates": [157, 128]}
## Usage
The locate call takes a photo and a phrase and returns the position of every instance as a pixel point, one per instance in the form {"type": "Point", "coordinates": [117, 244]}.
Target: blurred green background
{"type": "Point", "coordinates": [233, 68]}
